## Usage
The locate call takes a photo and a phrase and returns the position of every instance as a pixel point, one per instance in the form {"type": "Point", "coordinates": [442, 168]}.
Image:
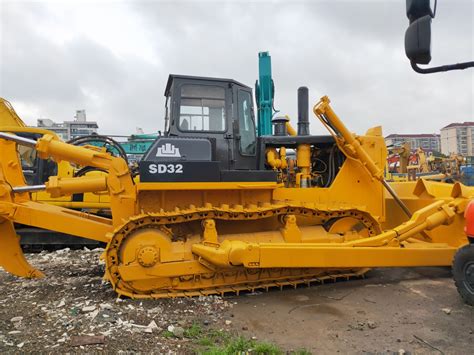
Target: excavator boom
{"type": "Point", "coordinates": [8, 115]}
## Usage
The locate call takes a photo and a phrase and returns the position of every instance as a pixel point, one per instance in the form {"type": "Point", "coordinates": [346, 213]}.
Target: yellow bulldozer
{"type": "Point", "coordinates": [37, 171]}
{"type": "Point", "coordinates": [217, 209]}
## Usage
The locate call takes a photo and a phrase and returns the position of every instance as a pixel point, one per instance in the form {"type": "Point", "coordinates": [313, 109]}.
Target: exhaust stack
{"type": "Point", "coordinates": [303, 111]}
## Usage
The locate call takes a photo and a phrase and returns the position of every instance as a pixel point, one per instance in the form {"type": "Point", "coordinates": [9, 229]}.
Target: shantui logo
{"type": "Point", "coordinates": [168, 150]}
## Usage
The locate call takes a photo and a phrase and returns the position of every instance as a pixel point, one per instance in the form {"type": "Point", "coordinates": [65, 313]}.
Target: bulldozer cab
{"type": "Point", "coordinates": [220, 110]}
{"type": "Point", "coordinates": [210, 134]}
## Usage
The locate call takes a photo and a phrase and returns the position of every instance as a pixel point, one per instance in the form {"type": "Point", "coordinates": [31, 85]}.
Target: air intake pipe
{"type": "Point", "coordinates": [303, 111]}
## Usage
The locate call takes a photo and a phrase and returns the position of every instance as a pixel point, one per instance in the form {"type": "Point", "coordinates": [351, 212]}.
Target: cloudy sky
{"type": "Point", "coordinates": [112, 58]}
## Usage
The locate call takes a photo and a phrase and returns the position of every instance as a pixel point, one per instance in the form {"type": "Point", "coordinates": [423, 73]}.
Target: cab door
{"type": "Point", "coordinates": [203, 108]}
{"type": "Point", "coordinates": [245, 146]}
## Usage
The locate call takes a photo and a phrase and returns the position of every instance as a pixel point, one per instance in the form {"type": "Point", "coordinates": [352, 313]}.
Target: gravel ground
{"type": "Point", "coordinates": [73, 306]}
{"type": "Point", "coordinates": [396, 311]}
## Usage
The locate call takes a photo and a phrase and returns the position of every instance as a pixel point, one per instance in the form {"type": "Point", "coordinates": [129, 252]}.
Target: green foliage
{"type": "Point", "coordinates": [218, 342]}
{"type": "Point", "coordinates": [213, 337]}
{"type": "Point", "coordinates": [74, 311]}
{"type": "Point", "coordinates": [239, 345]}
{"type": "Point", "coordinates": [193, 331]}
{"type": "Point", "coordinates": [167, 334]}
{"type": "Point", "coordinates": [266, 348]}
{"type": "Point", "coordinates": [205, 341]}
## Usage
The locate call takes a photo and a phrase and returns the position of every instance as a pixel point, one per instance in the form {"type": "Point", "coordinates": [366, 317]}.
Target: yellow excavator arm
{"type": "Point", "coordinates": [8, 116]}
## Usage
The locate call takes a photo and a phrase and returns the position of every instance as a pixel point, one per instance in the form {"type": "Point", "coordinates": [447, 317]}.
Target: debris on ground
{"type": "Point", "coordinates": [74, 308]}
{"type": "Point", "coordinates": [371, 324]}
{"type": "Point", "coordinates": [87, 340]}
{"type": "Point", "coordinates": [446, 310]}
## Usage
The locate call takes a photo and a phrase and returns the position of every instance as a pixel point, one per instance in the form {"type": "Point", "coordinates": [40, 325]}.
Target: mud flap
{"type": "Point", "coordinates": [12, 258]}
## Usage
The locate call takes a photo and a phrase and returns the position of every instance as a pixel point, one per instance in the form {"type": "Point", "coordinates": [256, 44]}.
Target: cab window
{"type": "Point", "coordinates": [35, 170]}
{"type": "Point", "coordinates": [202, 109]}
{"type": "Point", "coordinates": [246, 123]}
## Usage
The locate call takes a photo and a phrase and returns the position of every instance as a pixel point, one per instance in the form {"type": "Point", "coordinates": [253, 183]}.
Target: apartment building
{"type": "Point", "coordinates": [458, 138]}
{"type": "Point", "coordinates": [429, 142]}
{"type": "Point", "coordinates": [70, 129]}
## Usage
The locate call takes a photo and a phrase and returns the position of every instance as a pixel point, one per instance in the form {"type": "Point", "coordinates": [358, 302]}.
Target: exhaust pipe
{"type": "Point", "coordinates": [303, 152]}
{"type": "Point", "coordinates": [303, 111]}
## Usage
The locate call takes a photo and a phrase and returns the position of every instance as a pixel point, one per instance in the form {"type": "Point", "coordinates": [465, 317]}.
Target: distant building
{"type": "Point", "coordinates": [70, 129]}
{"type": "Point", "coordinates": [458, 138]}
{"type": "Point", "coordinates": [429, 142]}
{"type": "Point", "coordinates": [59, 128]}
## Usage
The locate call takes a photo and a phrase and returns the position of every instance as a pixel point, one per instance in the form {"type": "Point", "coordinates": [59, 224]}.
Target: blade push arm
{"type": "Point", "coordinates": [16, 207]}
{"type": "Point", "coordinates": [118, 182]}
{"type": "Point", "coordinates": [391, 248]}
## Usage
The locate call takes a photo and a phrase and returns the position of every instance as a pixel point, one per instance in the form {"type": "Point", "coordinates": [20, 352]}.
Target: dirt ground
{"type": "Point", "coordinates": [414, 310]}
{"type": "Point", "coordinates": [398, 310]}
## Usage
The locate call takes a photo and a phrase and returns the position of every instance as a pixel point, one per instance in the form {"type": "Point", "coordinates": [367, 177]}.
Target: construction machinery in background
{"type": "Point", "coordinates": [218, 209]}
{"type": "Point", "coordinates": [407, 165]}
{"type": "Point", "coordinates": [403, 164]}
{"type": "Point", "coordinates": [398, 158]}
{"type": "Point", "coordinates": [37, 171]}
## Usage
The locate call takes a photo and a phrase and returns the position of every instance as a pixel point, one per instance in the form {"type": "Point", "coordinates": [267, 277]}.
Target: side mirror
{"type": "Point", "coordinates": [418, 40]}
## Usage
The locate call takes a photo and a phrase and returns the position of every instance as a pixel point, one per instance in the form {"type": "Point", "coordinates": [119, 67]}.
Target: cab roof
{"type": "Point", "coordinates": [203, 78]}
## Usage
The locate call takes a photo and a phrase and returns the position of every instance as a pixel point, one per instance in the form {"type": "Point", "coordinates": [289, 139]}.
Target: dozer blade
{"type": "Point", "coordinates": [12, 258]}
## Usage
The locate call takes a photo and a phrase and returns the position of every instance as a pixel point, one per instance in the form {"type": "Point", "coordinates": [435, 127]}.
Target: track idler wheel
{"type": "Point", "coordinates": [463, 273]}
{"type": "Point", "coordinates": [12, 258]}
